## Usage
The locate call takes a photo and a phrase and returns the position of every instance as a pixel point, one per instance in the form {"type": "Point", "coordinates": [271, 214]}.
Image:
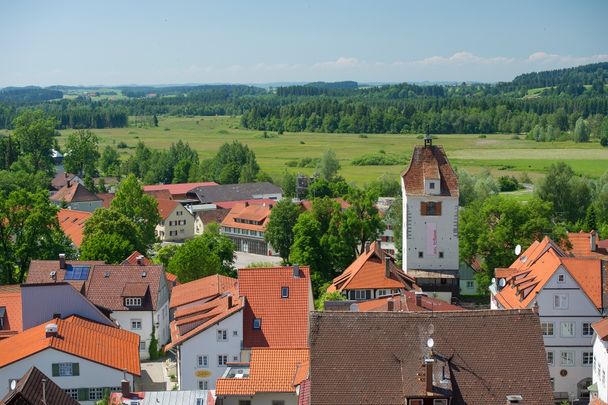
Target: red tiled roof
{"type": "Point", "coordinates": [271, 370]}
{"type": "Point", "coordinates": [284, 321]}
{"type": "Point", "coordinates": [40, 270]}
{"type": "Point", "coordinates": [135, 289]}
{"type": "Point", "coordinates": [106, 199]}
{"type": "Point", "coordinates": [406, 303]}
{"type": "Point", "coordinates": [166, 207]}
{"type": "Point", "coordinates": [61, 179]}
{"type": "Point", "coordinates": [216, 215]}
{"type": "Point", "coordinates": [163, 194]}
{"type": "Point", "coordinates": [581, 245]}
{"type": "Point", "coordinates": [369, 271]}
{"type": "Point", "coordinates": [431, 162]}
{"type": "Point", "coordinates": [72, 223]}
{"type": "Point", "coordinates": [132, 259]}
{"type": "Point", "coordinates": [251, 212]}
{"type": "Point", "coordinates": [10, 299]}
{"type": "Point", "coordinates": [107, 292]}
{"type": "Point", "coordinates": [178, 189]}
{"type": "Point", "coordinates": [201, 290]}
{"type": "Point", "coordinates": [33, 387]}
{"type": "Point", "coordinates": [75, 192]}
{"type": "Point", "coordinates": [99, 343]}
{"type": "Point", "coordinates": [231, 204]}
{"type": "Point", "coordinates": [601, 328]}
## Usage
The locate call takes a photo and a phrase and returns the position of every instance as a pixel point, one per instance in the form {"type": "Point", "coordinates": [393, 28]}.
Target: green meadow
{"type": "Point", "coordinates": [501, 154]}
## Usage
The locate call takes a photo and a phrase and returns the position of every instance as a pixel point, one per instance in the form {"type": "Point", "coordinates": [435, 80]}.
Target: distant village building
{"type": "Point", "coordinates": [72, 224]}
{"type": "Point", "coordinates": [176, 224]}
{"type": "Point", "coordinates": [177, 191]}
{"type": "Point", "coordinates": [429, 189]}
{"type": "Point", "coordinates": [246, 224]}
{"type": "Point", "coordinates": [76, 196]}
{"type": "Point", "coordinates": [241, 192]}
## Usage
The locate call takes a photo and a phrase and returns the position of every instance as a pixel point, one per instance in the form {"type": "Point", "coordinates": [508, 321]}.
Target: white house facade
{"type": "Point", "coordinates": [600, 361]}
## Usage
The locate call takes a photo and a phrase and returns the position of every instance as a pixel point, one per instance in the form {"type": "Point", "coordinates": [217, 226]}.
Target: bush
{"type": "Point", "coordinates": [153, 349]}
{"type": "Point", "coordinates": [362, 136]}
{"type": "Point", "coordinates": [482, 136]}
{"type": "Point", "coordinates": [377, 160]}
{"type": "Point", "coordinates": [122, 145]}
{"type": "Point", "coordinates": [302, 142]}
{"type": "Point", "coordinates": [508, 183]}
{"type": "Point", "coordinates": [304, 162]}
{"type": "Point", "coordinates": [604, 141]}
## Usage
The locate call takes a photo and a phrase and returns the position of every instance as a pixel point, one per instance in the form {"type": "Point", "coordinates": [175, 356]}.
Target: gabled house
{"type": "Point", "coordinates": [75, 272]}
{"type": "Point", "coordinates": [568, 294]}
{"type": "Point", "coordinates": [206, 330]}
{"type": "Point", "coordinates": [272, 376]}
{"type": "Point", "coordinates": [176, 224]}
{"type": "Point", "coordinates": [204, 217]}
{"type": "Point", "coordinates": [10, 310]}
{"type": "Point", "coordinates": [138, 259]}
{"type": "Point", "coordinates": [80, 356]}
{"type": "Point", "coordinates": [177, 191]}
{"type": "Point", "coordinates": [61, 180]}
{"type": "Point", "coordinates": [245, 225]}
{"type": "Point", "coordinates": [225, 193]}
{"type": "Point", "coordinates": [76, 196]}
{"type": "Point", "coordinates": [278, 301]}
{"type": "Point", "coordinates": [429, 187]}
{"type": "Point", "coordinates": [138, 298]}
{"type": "Point", "coordinates": [35, 388]}
{"type": "Point", "coordinates": [72, 224]}
{"type": "Point", "coordinates": [424, 358]}
{"type": "Point", "coordinates": [599, 388]}
{"type": "Point", "coordinates": [408, 301]}
{"type": "Point", "coordinates": [372, 275]}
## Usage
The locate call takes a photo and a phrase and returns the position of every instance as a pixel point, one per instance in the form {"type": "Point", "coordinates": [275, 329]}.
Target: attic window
{"type": "Point", "coordinates": [284, 292]}
{"type": "Point", "coordinates": [561, 278]}
{"type": "Point", "coordinates": [432, 185]}
{"type": "Point", "coordinates": [257, 323]}
{"type": "Point", "coordinates": [133, 302]}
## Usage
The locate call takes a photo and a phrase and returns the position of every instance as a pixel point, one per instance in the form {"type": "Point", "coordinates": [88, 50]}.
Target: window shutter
{"type": "Point", "coordinates": [75, 369]}
{"type": "Point", "coordinates": [422, 208]}
{"type": "Point", "coordinates": [83, 394]}
{"type": "Point", "coordinates": [55, 368]}
{"type": "Point", "coordinates": [438, 208]}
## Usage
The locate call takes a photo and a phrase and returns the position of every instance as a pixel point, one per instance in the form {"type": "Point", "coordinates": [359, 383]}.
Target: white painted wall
{"type": "Point", "coordinates": [415, 240]}
{"type": "Point", "coordinates": [184, 232]}
{"type": "Point", "coordinates": [600, 367]}
{"type": "Point", "coordinates": [146, 317]}
{"type": "Point", "coordinates": [265, 398]}
{"type": "Point", "coordinates": [206, 343]}
{"type": "Point", "coordinates": [92, 375]}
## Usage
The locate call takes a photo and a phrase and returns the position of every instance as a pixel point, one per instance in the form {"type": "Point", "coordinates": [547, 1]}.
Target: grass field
{"type": "Point", "coordinates": [500, 154]}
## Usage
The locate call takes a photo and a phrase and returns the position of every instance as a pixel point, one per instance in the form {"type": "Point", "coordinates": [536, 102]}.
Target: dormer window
{"type": "Point", "coordinates": [284, 292]}
{"type": "Point", "coordinates": [133, 302]}
{"type": "Point", "coordinates": [2, 315]}
{"type": "Point", "coordinates": [257, 323]}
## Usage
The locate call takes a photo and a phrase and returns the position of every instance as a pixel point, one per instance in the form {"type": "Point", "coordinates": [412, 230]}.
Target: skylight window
{"type": "Point", "coordinates": [77, 273]}
{"type": "Point", "coordinates": [284, 292]}
{"type": "Point", "coordinates": [257, 323]}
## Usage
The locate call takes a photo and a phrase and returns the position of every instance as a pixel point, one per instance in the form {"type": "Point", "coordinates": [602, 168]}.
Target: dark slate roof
{"type": "Point", "coordinates": [232, 192]}
{"type": "Point", "coordinates": [29, 391]}
{"type": "Point", "coordinates": [485, 356]}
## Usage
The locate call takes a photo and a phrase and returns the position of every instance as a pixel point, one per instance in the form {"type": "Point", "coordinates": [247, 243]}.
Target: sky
{"type": "Point", "coordinates": [113, 42]}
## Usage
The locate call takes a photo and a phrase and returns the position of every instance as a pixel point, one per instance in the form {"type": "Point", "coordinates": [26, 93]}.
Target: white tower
{"type": "Point", "coordinates": [429, 188]}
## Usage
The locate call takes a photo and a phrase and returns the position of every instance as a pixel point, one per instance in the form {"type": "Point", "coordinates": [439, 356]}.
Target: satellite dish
{"type": "Point", "coordinates": [502, 282]}
{"type": "Point", "coordinates": [430, 343]}
{"type": "Point", "coordinates": [517, 250]}
{"type": "Point", "coordinates": [13, 384]}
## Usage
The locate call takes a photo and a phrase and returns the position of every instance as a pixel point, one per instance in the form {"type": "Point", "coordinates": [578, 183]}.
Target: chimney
{"type": "Point", "coordinates": [125, 388]}
{"type": "Point", "coordinates": [428, 364]}
{"type": "Point", "coordinates": [419, 295]}
{"type": "Point", "coordinates": [367, 245]}
{"type": "Point", "coordinates": [390, 305]}
{"type": "Point", "coordinates": [515, 399]}
{"type": "Point", "coordinates": [51, 330]}
{"type": "Point", "coordinates": [140, 260]}
{"type": "Point", "coordinates": [269, 206]}
{"type": "Point", "coordinates": [62, 261]}
{"type": "Point", "coordinates": [593, 240]}
{"type": "Point", "coordinates": [296, 271]}
{"type": "Point", "coordinates": [246, 203]}
{"type": "Point", "coordinates": [387, 267]}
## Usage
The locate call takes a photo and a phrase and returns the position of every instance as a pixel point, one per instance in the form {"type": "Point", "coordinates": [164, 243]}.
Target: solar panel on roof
{"type": "Point", "coordinates": [77, 273]}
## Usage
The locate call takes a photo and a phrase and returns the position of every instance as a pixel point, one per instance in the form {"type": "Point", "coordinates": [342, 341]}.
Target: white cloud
{"type": "Point", "coordinates": [340, 63]}
{"type": "Point", "coordinates": [461, 58]}
{"type": "Point", "coordinates": [544, 57]}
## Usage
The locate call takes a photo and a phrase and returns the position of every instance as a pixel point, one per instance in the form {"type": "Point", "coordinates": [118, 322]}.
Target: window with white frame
{"type": "Point", "coordinates": [133, 302]}
{"type": "Point", "coordinates": [567, 358]}
{"type": "Point", "coordinates": [440, 402]}
{"type": "Point", "coordinates": [284, 292]}
{"type": "Point", "coordinates": [587, 358]}
{"type": "Point", "coordinates": [560, 301]}
{"type": "Point", "coordinates": [550, 358]}
{"type": "Point", "coordinates": [203, 384]}
{"type": "Point", "coordinates": [587, 329]}
{"type": "Point", "coordinates": [383, 292]}
{"type": "Point", "coordinates": [470, 284]}
{"type": "Point", "coordinates": [567, 329]}
{"type": "Point", "coordinates": [202, 361]}
{"type": "Point", "coordinates": [222, 359]}
{"type": "Point", "coordinates": [136, 324]}
{"type": "Point", "coordinates": [65, 369]}
{"type": "Point", "coordinates": [222, 335]}
{"type": "Point", "coordinates": [142, 346]}
{"type": "Point", "coordinates": [95, 394]}
{"type": "Point", "coordinates": [547, 328]}
{"type": "Point", "coordinates": [72, 392]}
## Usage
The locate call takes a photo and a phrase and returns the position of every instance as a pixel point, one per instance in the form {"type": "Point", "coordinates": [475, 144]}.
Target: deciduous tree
{"type": "Point", "coordinates": [279, 231]}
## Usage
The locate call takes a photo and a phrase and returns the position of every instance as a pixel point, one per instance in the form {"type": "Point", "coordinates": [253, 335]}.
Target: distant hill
{"type": "Point", "coordinates": [28, 95]}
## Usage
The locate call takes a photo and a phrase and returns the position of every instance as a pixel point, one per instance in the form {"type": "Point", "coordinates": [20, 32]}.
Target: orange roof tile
{"type": "Point", "coordinates": [271, 370]}
{"type": "Point", "coordinates": [106, 199]}
{"type": "Point", "coordinates": [89, 340]}
{"type": "Point", "coordinates": [72, 223]}
{"type": "Point", "coordinates": [406, 303]}
{"type": "Point", "coordinates": [431, 162]}
{"type": "Point", "coordinates": [601, 328]}
{"type": "Point", "coordinates": [284, 321]}
{"type": "Point", "coordinates": [369, 271]}
{"type": "Point", "coordinates": [166, 207]}
{"type": "Point", "coordinates": [178, 189]}
{"type": "Point", "coordinates": [132, 259]}
{"type": "Point", "coordinates": [201, 289]}
{"type": "Point", "coordinates": [581, 245]}
{"type": "Point", "coordinates": [10, 300]}
{"type": "Point", "coordinates": [75, 192]}
{"type": "Point", "coordinates": [529, 276]}
{"type": "Point", "coordinates": [259, 213]}
{"type": "Point", "coordinates": [162, 194]}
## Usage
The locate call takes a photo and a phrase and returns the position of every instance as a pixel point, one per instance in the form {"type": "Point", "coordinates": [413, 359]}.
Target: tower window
{"type": "Point", "coordinates": [420, 255]}
{"type": "Point", "coordinates": [441, 255]}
